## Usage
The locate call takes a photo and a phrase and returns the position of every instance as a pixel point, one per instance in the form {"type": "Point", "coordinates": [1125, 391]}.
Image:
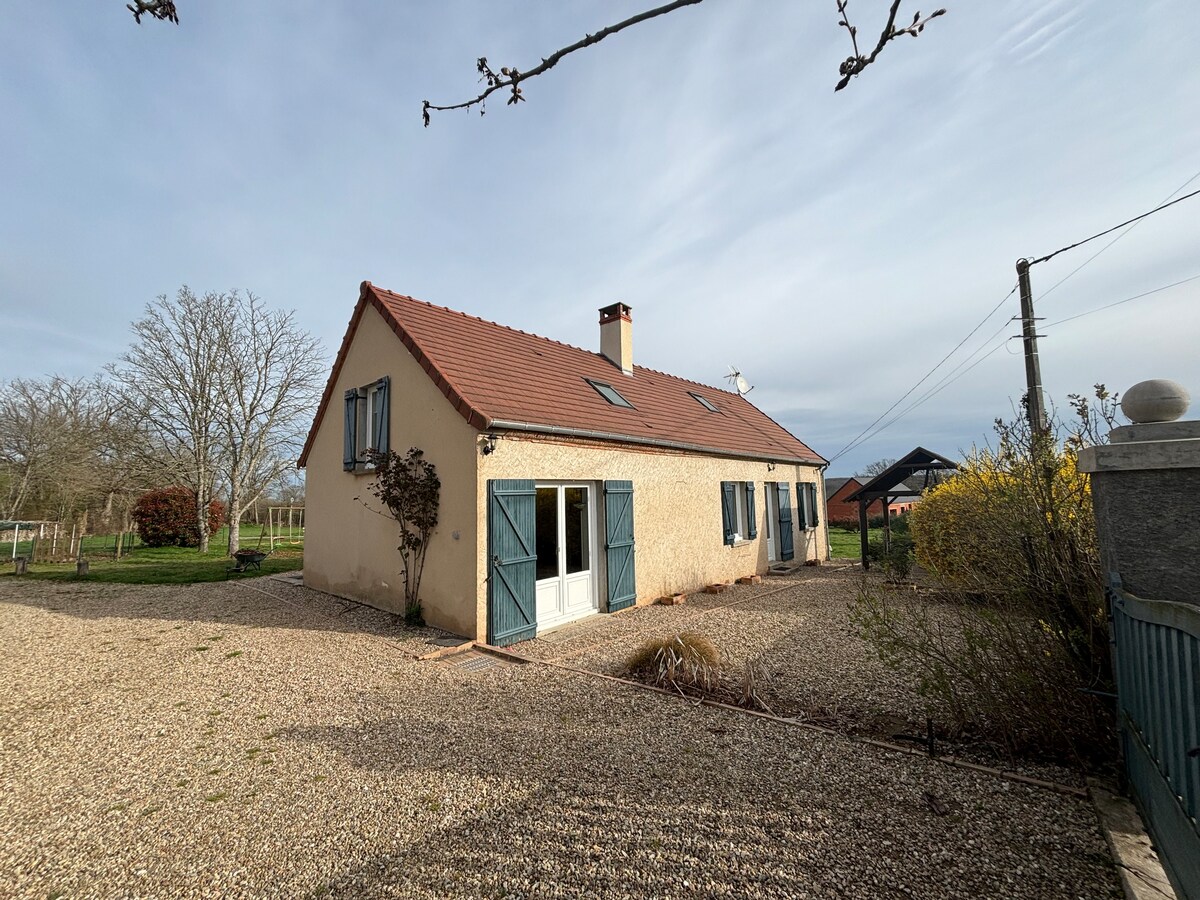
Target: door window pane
{"type": "Point", "coordinates": [578, 537]}
{"type": "Point", "coordinates": [547, 533]}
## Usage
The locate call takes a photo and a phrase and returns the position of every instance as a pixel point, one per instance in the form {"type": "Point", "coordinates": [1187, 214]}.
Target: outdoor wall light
{"type": "Point", "coordinates": [770, 467]}
{"type": "Point", "coordinates": [489, 444]}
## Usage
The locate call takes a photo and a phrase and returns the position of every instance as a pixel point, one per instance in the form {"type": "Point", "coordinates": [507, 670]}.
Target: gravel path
{"type": "Point", "coordinates": [305, 753]}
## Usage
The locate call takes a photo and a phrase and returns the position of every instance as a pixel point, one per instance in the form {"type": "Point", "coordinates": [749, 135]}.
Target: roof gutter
{"type": "Point", "coordinates": [562, 431]}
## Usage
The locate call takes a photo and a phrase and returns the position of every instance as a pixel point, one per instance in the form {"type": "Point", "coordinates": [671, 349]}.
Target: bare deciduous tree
{"type": "Point", "coordinates": [171, 377]}
{"type": "Point", "coordinates": [66, 450]}
{"type": "Point", "coordinates": [225, 386]}
{"type": "Point", "coordinates": [876, 468]}
{"type": "Point", "coordinates": [271, 383]}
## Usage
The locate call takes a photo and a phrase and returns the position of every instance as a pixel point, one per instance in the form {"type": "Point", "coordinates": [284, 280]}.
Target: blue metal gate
{"type": "Point", "coordinates": [1157, 661]}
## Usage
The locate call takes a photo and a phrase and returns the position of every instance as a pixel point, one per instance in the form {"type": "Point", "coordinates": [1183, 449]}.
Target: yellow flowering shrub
{"type": "Point", "coordinates": [1004, 521]}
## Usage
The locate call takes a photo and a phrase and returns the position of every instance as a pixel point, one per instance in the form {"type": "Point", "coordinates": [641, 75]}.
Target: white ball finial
{"type": "Point", "coordinates": [1156, 400]}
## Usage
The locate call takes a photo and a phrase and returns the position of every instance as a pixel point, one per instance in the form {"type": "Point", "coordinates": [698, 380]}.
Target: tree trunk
{"type": "Point", "coordinates": [235, 519]}
{"type": "Point", "coordinates": [202, 521]}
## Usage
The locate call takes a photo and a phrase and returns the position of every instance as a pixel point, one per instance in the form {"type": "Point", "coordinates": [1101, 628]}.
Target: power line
{"type": "Point", "coordinates": [855, 441]}
{"type": "Point", "coordinates": [1113, 241]}
{"type": "Point", "coordinates": [858, 439]}
{"type": "Point", "coordinates": [951, 377]}
{"type": "Point", "coordinates": [1165, 287]}
{"type": "Point", "coordinates": [948, 379]}
{"type": "Point", "coordinates": [1159, 208]}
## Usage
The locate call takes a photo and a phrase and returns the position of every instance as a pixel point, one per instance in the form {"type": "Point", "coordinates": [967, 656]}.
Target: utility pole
{"type": "Point", "coordinates": [1033, 370]}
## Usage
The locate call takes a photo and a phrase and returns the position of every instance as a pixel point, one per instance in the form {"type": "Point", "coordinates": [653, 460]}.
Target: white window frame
{"type": "Point", "coordinates": [363, 434]}
{"type": "Point", "coordinates": [741, 523]}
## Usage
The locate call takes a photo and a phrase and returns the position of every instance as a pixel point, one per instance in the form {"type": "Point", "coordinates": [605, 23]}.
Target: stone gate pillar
{"type": "Point", "coordinates": [1146, 495]}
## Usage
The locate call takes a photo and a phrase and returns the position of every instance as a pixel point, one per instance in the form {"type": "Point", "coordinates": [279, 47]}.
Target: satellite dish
{"type": "Point", "coordinates": [743, 386]}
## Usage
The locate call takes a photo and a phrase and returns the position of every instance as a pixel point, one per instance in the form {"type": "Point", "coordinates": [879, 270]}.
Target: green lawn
{"type": "Point", "coordinates": [846, 543]}
{"type": "Point", "coordinates": [171, 565]}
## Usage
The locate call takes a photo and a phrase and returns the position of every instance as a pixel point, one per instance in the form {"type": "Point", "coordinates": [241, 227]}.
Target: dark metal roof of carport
{"type": "Point", "coordinates": [891, 483]}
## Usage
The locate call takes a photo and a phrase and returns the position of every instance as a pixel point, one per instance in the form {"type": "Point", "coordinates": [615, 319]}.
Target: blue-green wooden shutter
{"type": "Point", "coordinates": [816, 512]}
{"type": "Point", "coordinates": [383, 404]}
{"type": "Point", "coordinates": [349, 450]}
{"type": "Point", "coordinates": [751, 521]}
{"type": "Point", "coordinates": [728, 511]}
{"type": "Point", "coordinates": [787, 548]}
{"type": "Point", "coordinates": [512, 561]}
{"type": "Point", "coordinates": [618, 544]}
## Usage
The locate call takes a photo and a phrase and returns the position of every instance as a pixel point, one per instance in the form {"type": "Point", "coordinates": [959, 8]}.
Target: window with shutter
{"type": "Point", "coordinates": [367, 424]}
{"type": "Point", "coordinates": [728, 512]}
{"type": "Point", "coordinates": [737, 511]}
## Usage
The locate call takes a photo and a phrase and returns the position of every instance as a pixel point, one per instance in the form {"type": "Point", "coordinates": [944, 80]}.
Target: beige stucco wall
{"type": "Point", "coordinates": [677, 508]}
{"type": "Point", "coordinates": [351, 551]}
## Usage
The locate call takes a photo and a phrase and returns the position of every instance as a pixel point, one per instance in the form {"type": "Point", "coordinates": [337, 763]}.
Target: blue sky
{"type": "Point", "coordinates": [699, 168]}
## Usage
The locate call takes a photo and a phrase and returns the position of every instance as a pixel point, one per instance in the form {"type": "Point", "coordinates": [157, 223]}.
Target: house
{"type": "Point", "coordinates": [573, 482]}
{"type": "Point", "coordinates": [837, 509]}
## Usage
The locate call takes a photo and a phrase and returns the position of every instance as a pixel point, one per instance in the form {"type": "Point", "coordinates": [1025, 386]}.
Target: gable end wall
{"type": "Point", "coordinates": [351, 551]}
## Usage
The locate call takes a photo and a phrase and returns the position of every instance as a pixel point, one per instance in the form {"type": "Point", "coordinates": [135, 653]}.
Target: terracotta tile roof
{"type": "Point", "coordinates": [498, 377]}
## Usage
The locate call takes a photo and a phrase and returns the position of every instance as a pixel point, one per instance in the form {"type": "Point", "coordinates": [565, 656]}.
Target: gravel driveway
{"type": "Point", "coordinates": [261, 740]}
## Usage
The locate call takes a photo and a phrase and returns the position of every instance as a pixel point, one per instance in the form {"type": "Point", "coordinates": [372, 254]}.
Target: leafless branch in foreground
{"type": "Point", "coordinates": [510, 78]}
{"type": "Point", "coordinates": [158, 9]}
{"type": "Point", "coordinates": [856, 62]}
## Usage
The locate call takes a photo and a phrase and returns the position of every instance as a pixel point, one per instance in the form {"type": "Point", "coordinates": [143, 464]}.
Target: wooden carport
{"type": "Point", "coordinates": [891, 483]}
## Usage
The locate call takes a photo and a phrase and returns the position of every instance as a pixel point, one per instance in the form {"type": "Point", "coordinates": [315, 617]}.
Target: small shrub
{"type": "Point", "coordinates": [166, 517]}
{"type": "Point", "coordinates": [897, 560]}
{"type": "Point", "coordinates": [414, 617]}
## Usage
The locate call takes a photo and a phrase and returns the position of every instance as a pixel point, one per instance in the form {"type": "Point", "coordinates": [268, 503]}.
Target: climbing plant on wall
{"type": "Point", "coordinates": [409, 488]}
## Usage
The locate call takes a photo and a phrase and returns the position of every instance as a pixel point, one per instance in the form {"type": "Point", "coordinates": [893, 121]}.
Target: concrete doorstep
{"type": "Point", "coordinates": [1141, 872]}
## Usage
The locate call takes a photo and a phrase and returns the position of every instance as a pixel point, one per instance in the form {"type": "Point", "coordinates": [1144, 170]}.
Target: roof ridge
{"type": "Point", "coordinates": [549, 340]}
{"type": "Point", "coordinates": [465, 315]}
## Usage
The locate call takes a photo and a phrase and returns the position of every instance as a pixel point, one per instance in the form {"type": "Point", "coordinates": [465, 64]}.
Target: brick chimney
{"type": "Point", "coordinates": [616, 336]}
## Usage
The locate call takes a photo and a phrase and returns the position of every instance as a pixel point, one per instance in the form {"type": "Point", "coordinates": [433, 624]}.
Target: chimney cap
{"type": "Point", "coordinates": [615, 311]}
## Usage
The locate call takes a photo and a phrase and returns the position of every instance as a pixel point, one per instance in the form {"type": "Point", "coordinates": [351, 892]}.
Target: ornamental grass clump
{"type": "Point", "coordinates": [685, 661]}
{"type": "Point", "coordinates": [689, 664]}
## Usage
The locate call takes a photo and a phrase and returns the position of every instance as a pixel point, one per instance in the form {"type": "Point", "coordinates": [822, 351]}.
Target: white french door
{"type": "Point", "coordinates": [565, 520]}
